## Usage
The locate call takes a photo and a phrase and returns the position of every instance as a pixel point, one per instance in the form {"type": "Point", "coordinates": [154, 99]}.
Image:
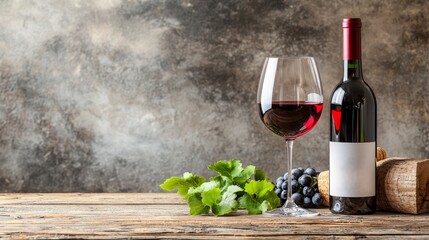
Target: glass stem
{"type": "Point", "coordinates": [289, 144]}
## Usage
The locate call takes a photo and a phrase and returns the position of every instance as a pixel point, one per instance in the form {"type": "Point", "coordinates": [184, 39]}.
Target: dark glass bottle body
{"type": "Point", "coordinates": [353, 120]}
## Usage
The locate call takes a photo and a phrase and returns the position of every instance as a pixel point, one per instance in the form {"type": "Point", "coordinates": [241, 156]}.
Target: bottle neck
{"type": "Point", "coordinates": [352, 54]}
{"type": "Point", "coordinates": [352, 70]}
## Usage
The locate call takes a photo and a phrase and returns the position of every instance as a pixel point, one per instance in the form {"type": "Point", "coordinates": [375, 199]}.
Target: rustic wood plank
{"type": "Point", "coordinates": [139, 216]}
{"type": "Point", "coordinates": [90, 198]}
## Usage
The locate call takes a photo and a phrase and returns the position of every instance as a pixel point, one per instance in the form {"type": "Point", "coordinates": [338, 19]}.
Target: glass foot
{"type": "Point", "coordinates": [292, 210]}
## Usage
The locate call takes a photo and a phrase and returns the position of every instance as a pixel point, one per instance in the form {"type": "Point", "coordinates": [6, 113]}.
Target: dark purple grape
{"type": "Point", "coordinates": [294, 185]}
{"type": "Point", "coordinates": [307, 191]}
{"type": "Point", "coordinates": [317, 199]}
{"type": "Point", "coordinates": [307, 202]}
{"type": "Point", "coordinates": [278, 191]}
{"type": "Point", "coordinates": [310, 171]}
{"type": "Point", "coordinates": [280, 179]}
{"type": "Point", "coordinates": [284, 185]}
{"type": "Point", "coordinates": [305, 180]}
{"type": "Point", "coordinates": [285, 176]}
{"type": "Point", "coordinates": [302, 169]}
{"type": "Point", "coordinates": [296, 173]}
{"type": "Point", "coordinates": [283, 195]}
{"type": "Point", "coordinates": [297, 198]}
{"type": "Point", "coordinates": [279, 184]}
{"type": "Point", "coordinates": [316, 190]}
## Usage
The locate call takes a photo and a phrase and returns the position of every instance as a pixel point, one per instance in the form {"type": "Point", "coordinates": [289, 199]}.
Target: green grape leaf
{"type": "Point", "coordinates": [230, 169]}
{"type": "Point", "coordinates": [252, 205]}
{"type": "Point", "coordinates": [224, 182]}
{"type": "Point", "coordinates": [203, 187]}
{"type": "Point", "coordinates": [210, 197]}
{"type": "Point", "coordinates": [258, 188]}
{"type": "Point", "coordinates": [259, 197]}
{"type": "Point", "coordinates": [196, 206]}
{"type": "Point", "coordinates": [260, 175]}
{"type": "Point", "coordinates": [272, 199]}
{"type": "Point", "coordinates": [228, 202]}
{"type": "Point", "coordinates": [244, 175]}
{"type": "Point", "coordinates": [182, 183]}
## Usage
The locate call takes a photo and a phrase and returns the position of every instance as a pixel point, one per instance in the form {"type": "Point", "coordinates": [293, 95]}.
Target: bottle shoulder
{"type": "Point", "coordinates": [352, 91]}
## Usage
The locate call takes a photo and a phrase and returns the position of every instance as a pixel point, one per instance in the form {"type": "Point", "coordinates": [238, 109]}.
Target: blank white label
{"type": "Point", "coordinates": [352, 169]}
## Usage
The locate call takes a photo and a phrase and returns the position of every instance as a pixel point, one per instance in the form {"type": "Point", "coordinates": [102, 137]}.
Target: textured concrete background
{"type": "Point", "coordinates": [119, 95]}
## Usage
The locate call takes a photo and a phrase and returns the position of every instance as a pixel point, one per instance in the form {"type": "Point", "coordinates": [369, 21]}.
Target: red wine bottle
{"type": "Point", "coordinates": [353, 131]}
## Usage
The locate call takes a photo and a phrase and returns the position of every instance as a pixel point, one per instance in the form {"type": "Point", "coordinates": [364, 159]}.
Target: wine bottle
{"type": "Point", "coordinates": [353, 131]}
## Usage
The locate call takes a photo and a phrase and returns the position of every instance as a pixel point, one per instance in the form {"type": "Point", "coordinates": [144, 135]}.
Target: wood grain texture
{"type": "Point", "coordinates": [148, 216]}
{"type": "Point", "coordinates": [323, 185]}
{"type": "Point", "coordinates": [403, 185]}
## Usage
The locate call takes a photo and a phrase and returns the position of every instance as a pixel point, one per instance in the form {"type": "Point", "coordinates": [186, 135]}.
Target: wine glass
{"type": "Point", "coordinates": [290, 102]}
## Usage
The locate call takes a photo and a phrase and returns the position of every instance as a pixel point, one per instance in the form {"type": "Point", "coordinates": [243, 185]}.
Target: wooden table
{"type": "Point", "coordinates": [148, 216]}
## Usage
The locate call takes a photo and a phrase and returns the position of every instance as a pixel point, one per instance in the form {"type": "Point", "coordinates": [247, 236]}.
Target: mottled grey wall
{"type": "Point", "coordinates": [119, 95]}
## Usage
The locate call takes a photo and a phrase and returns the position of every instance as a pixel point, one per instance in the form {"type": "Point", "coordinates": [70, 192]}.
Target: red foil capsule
{"type": "Point", "coordinates": [351, 38]}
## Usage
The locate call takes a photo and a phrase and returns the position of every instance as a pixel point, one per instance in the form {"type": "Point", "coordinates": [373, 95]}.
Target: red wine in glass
{"type": "Point", "coordinates": [290, 119]}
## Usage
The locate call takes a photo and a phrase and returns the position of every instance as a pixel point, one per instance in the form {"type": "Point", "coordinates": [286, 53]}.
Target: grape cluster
{"type": "Point", "coordinates": [305, 192]}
